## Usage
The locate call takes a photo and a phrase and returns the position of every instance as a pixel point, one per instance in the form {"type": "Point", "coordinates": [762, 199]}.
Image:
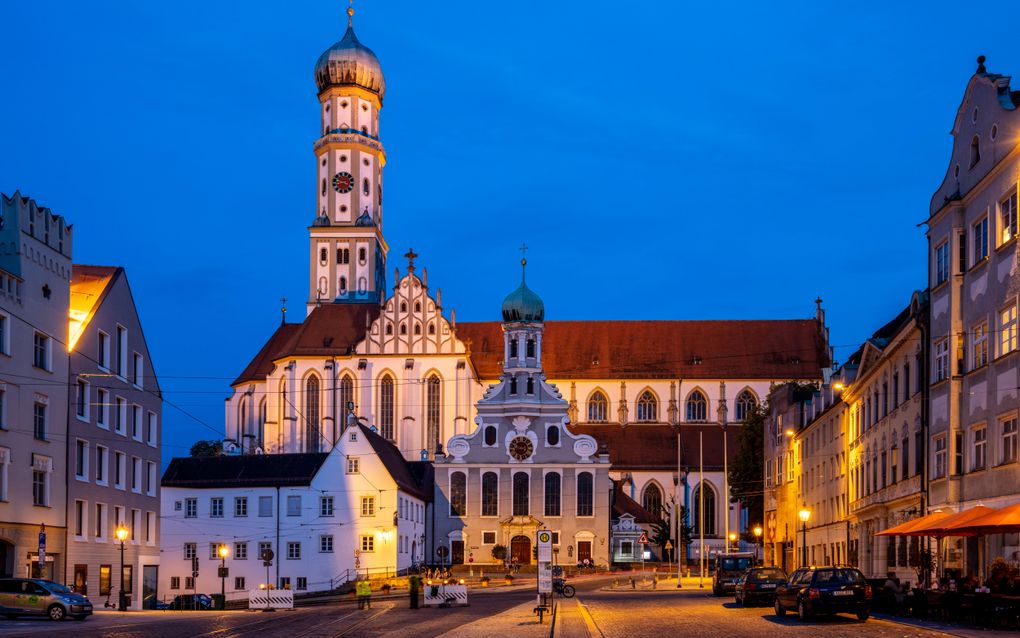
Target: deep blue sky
{"type": "Point", "coordinates": [662, 160]}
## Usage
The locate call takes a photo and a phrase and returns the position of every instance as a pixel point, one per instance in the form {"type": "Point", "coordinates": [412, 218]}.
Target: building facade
{"type": "Point", "coordinates": [328, 518]}
{"type": "Point", "coordinates": [35, 278]}
{"type": "Point", "coordinates": [113, 449]}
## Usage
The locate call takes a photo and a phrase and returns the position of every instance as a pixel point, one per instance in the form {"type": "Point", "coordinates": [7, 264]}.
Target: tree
{"type": "Point", "coordinates": [747, 469]}
{"type": "Point", "coordinates": [499, 552]}
{"type": "Point", "coordinates": [207, 448]}
{"type": "Point", "coordinates": [662, 533]}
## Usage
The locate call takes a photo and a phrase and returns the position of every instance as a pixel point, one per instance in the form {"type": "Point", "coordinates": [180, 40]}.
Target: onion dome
{"type": "Point", "coordinates": [350, 63]}
{"type": "Point", "coordinates": [523, 304]}
{"type": "Point", "coordinates": [321, 220]}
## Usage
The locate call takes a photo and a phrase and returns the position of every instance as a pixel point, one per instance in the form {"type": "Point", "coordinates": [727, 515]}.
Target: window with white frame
{"type": "Point", "coordinates": [120, 415]}
{"type": "Point", "coordinates": [941, 263]}
{"type": "Point", "coordinates": [216, 507]}
{"type": "Point", "coordinates": [175, 582]}
{"type": "Point", "coordinates": [980, 437]}
{"type": "Point", "coordinates": [150, 528]}
{"type": "Point", "coordinates": [1007, 426]}
{"type": "Point", "coordinates": [122, 347]}
{"type": "Point", "coordinates": [1007, 330]}
{"type": "Point", "coordinates": [3, 407]}
{"type": "Point", "coordinates": [353, 465]}
{"type": "Point", "coordinates": [326, 544]}
{"type": "Point", "coordinates": [39, 420]}
{"type": "Point", "coordinates": [81, 400]}
{"type": "Point", "coordinates": [190, 508]}
{"type": "Point", "coordinates": [119, 469]}
{"type": "Point", "coordinates": [325, 506]}
{"type": "Point", "coordinates": [240, 506]}
{"type": "Point", "coordinates": [81, 460]}
{"type": "Point", "coordinates": [137, 370]}
{"type": "Point", "coordinates": [190, 550]}
{"type": "Point", "coordinates": [151, 430]}
{"type": "Point", "coordinates": [939, 467]}
{"type": "Point", "coordinates": [102, 408]}
{"type": "Point", "coordinates": [151, 478]}
{"type": "Point", "coordinates": [5, 461]}
{"type": "Point", "coordinates": [264, 547]}
{"type": "Point", "coordinates": [1007, 217]}
{"type": "Point", "coordinates": [239, 583]}
{"type": "Point", "coordinates": [136, 422]}
{"type": "Point", "coordinates": [488, 538]}
{"type": "Point", "coordinates": [136, 475]}
{"type": "Point", "coordinates": [189, 582]}
{"type": "Point", "coordinates": [240, 550]}
{"type": "Point", "coordinates": [41, 351]}
{"type": "Point", "coordinates": [102, 461]}
{"type": "Point", "coordinates": [367, 543]}
{"type": "Point", "coordinates": [104, 350]}
{"type": "Point", "coordinates": [980, 233]}
{"type": "Point", "coordinates": [979, 345]}
{"type": "Point", "coordinates": [941, 360]}
{"type": "Point", "coordinates": [100, 522]}
{"type": "Point", "coordinates": [302, 583]}
{"type": "Point", "coordinates": [293, 550]}
{"type": "Point", "coordinates": [368, 506]}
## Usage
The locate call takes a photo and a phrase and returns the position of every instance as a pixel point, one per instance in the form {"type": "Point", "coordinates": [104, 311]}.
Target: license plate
{"type": "Point", "coordinates": [842, 593]}
{"type": "Point", "coordinates": [768, 586]}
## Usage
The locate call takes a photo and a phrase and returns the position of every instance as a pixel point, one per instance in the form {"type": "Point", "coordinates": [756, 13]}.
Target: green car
{"type": "Point", "coordinates": [38, 597]}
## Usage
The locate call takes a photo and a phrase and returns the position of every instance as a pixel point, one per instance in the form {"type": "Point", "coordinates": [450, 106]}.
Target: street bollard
{"type": "Point", "coordinates": [633, 585]}
{"type": "Point", "coordinates": [414, 584]}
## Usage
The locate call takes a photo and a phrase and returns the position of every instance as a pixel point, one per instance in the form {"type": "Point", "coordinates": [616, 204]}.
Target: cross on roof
{"type": "Point", "coordinates": [411, 255]}
{"type": "Point", "coordinates": [524, 250]}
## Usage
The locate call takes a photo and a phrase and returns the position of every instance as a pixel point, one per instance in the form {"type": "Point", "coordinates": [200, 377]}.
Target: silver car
{"type": "Point", "coordinates": [38, 597]}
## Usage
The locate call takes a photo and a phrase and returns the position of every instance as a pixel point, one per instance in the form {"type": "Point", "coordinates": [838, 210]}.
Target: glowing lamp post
{"type": "Point", "coordinates": [733, 542]}
{"type": "Point", "coordinates": [121, 533]}
{"type": "Point", "coordinates": [804, 515]}
{"type": "Point", "coordinates": [757, 540]}
{"type": "Point", "coordinates": [223, 551]}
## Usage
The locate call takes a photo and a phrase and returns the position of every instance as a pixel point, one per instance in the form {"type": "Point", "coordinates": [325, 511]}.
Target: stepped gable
{"type": "Point", "coordinates": [750, 349]}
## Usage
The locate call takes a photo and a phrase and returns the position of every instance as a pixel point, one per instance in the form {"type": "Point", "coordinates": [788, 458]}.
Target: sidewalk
{"type": "Point", "coordinates": [953, 630]}
{"type": "Point", "coordinates": [573, 621]}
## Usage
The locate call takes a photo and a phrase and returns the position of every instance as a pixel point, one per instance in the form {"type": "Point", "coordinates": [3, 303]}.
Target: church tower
{"type": "Point", "coordinates": [523, 314]}
{"type": "Point", "coordinates": [346, 245]}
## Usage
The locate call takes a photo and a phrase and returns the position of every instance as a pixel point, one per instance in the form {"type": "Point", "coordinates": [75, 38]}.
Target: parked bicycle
{"type": "Point", "coordinates": [561, 587]}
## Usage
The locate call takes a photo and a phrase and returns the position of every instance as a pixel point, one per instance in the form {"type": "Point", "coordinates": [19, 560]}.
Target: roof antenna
{"type": "Point", "coordinates": [283, 310]}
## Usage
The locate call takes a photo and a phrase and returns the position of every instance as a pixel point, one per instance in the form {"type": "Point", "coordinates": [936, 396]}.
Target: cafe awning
{"type": "Point", "coordinates": [950, 525]}
{"type": "Point", "coordinates": [906, 529]}
{"type": "Point", "coordinates": [1000, 521]}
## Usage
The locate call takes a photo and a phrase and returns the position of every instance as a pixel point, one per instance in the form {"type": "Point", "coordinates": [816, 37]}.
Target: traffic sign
{"type": "Point", "coordinates": [643, 540]}
{"type": "Point", "coordinates": [669, 544]}
{"type": "Point", "coordinates": [222, 572]}
{"type": "Point", "coordinates": [267, 555]}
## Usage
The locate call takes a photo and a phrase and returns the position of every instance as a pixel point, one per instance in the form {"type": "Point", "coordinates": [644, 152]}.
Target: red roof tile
{"type": "Point", "coordinates": [641, 446]}
{"type": "Point", "coordinates": [759, 349]}
{"type": "Point", "coordinates": [623, 504]}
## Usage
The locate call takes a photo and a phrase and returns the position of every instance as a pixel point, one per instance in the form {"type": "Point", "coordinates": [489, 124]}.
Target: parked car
{"type": "Point", "coordinates": [199, 602]}
{"type": "Point", "coordinates": [825, 590]}
{"type": "Point", "coordinates": [38, 597]}
{"type": "Point", "coordinates": [728, 568]}
{"type": "Point", "coordinates": [759, 584]}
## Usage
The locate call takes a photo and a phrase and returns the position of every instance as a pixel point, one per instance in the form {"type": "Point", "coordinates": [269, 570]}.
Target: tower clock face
{"type": "Point", "coordinates": [343, 182]}
{"type": "Point", "coordinates": [521, 448]}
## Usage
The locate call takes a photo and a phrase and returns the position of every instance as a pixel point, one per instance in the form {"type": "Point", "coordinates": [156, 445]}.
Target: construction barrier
{"type": "Point", "coordinates": [271, 599]}
{"type": "Point", "coordinates": [445, 595]}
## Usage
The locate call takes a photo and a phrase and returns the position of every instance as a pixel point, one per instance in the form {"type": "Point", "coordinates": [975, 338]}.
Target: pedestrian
{"type": "Point", "coordinates": [364, 592]}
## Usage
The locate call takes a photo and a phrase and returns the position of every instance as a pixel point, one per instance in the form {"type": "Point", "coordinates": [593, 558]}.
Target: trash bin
{"type": "Point", "coordinates": [219, 601]}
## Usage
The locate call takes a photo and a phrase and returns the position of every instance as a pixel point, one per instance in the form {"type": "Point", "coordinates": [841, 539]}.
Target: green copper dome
{"type": "Point", "coordinates": [523, 304]}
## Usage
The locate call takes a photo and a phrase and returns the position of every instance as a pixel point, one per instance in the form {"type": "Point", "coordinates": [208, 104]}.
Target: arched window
{"type": "Point", "coordinates": [261, 429]}
{"type": "Point", "coordinates": [312, 424]}
{"type": "Point", "coordinates": [284, 402]}
{"type": "Point", "coordinates": [552, 435]}
{"type": "Point", "coordinates": [432, 401]}
{"type": "Point", "coordinates": [490, 494]}
{"type": "Point", "coordinates": [709, 509]}
{"type": "Point", "coordinates": [530, 348]}
{"type": "Point", "coordinates": [585, 494]}
{"type": "Point", "coordinates": [343, 284]}
{"type": "Point", "coordinates": [647, 407]}
{"type": "Point", "coordinates": [403, 328]}
{"type": "Point", "coordinates": [651, 500]}
{"type": "Point", "coordinates": [417, 328]}
{"type": "Point", "coordinates": [697, 407]}
{"type": "Point", "coordinates": [386, 402]}
{"type": "Point", "coordinates": [242, 424]}
{"type": "Point", "coordinates": [531, 385]}
{"type": "Point", "coordinates": [513, 347]}
{"type": "Point", "coordinates": [552, 494]}
{"type": "Point", "coordinates": [490, 435]}
{"type": "Point", "coordinates": [432, 328]}
{"type": "Point", "coordinates": [389, 328]}
{"type": "Point", "coordinates": [513, 385]}
{"type": "Point", "coordinates": [458, 494]}
{"type": "Point", "coordinates": [323, 256]}
{"type": "Point", "coordinates": [598, 407]}
{"type": "Point", "coordinates": [520, 494]}
{"type": "Point", "coordinates": [346, 398]}
{"type": "Point", "coordinates": [746, 403]}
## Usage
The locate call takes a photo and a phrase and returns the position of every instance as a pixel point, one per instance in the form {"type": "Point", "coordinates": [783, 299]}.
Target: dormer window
{"type": "Point", "coordinates": [975, 151]}
{"type": "Point", "coordinates": [530, 352]}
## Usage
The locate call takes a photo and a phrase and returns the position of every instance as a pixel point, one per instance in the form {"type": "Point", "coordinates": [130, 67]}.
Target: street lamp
{"type": "Point", "coordinates": [733, 541]}
{"type": "Point", "coordinates": [223, 551]}
{"type": "Point", "coordinates": [757, 541]}
{"type": "Point", "coordinates": [121, 533]}
{"type": "Point", "coordinates": [804, 514]}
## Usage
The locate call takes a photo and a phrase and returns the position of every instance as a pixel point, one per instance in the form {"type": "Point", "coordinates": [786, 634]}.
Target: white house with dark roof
{"type": "Point", "coordinates": [359, 509]}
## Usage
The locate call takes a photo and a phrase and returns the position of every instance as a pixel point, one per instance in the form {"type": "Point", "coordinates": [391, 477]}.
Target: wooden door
{"type": "Point", "coordinates": [583, 551]}
{"type": "Point", "coordinates": [520, 550]}
{"type": "Point", "coordinates": [457, 552]}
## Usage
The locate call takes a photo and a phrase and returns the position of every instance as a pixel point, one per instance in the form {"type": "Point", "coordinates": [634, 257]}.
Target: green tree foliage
{"type": "Point", "coordinates": [499, 552]}
{"type": "Point", "coordinates": [662, 533]}
{"type": "Point", "coordinates": [746, 472]}
{"type": "Point", "coordinates": [207, 448]}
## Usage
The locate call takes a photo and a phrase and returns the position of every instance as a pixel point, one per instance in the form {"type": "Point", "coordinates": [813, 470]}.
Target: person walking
{"type": "Point", "coordinates": [364, 593]}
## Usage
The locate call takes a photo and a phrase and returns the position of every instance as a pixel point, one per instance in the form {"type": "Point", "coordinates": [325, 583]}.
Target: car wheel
{"type": "Point", "coordinates": [779, 608]}
{"type": "Point", "coordinates": [802, 612]}
{"type": "Point", "coordinates": [863, 615]}
{"type": "Point", "coordinates": [56, 612]}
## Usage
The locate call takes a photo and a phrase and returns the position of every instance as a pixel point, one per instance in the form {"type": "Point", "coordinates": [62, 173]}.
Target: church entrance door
{"type": "Point", "coordinates": [457, 553]}
{"type": "Point", "coordinates": [520, 550]}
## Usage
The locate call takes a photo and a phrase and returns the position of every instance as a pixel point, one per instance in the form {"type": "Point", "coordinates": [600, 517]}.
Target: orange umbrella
{"type": "Point", "coordinates": [906, 529]}
{"type": "Point", "coordinates": [1000, 521]}
{"type": "Point", "coordinates": [945, 526]}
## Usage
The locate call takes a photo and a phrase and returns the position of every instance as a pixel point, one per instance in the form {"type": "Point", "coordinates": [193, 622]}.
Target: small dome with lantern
{"type": "Point", "coordinates": [523, 304]}
{"type": "Point", "coordinates": [349, 62]}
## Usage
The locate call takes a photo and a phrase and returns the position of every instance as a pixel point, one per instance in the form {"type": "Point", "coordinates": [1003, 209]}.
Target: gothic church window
{"type": "Point", "coordinates": [490, 494]}
{"type": "Point", "coordinates": [458, 494]}
{"type": "Point", "coordinates": [521, 482]}
{"type": "Point", "coordinates": [709, 510]}
{"type": "Point", "coordinates": [386, 402]}
{"type": "Point", "coordinates": [598, 407]}
{"type": "Point", "coordinates": [697, 407]}
{"type": "Point", "coordinates": [346, 396]}
{"type": "Point", "coordinates": [585, 494]}
{"type": "Point", "coordinates": [312, 424]}
{"type": "Point", "coordinates": [552, 494]}
{"type": "Point", "coordinates": [647, 407]}
{"type": "Point", "coordinates": [432, 328]}
{"type": "Point", "coordinates": [746, 404]}
{"type": "Point", "coordinates": [651, 500]}
{"type": "Point", "coordinates": [432, 400]}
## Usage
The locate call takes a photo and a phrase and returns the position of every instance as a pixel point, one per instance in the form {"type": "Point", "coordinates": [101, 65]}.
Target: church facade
{"type": "Point", "coordinates": [384, 353]}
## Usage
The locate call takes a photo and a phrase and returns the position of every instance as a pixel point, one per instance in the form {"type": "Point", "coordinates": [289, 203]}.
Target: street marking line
{"type": "Point", "coordinates": [593, 629]}
{"type": "Point", "coordinates": [362, 622]}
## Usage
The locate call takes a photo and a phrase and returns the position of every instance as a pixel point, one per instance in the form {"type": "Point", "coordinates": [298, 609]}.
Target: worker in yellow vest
{"type": "Point", "coordinates": [364, 593]}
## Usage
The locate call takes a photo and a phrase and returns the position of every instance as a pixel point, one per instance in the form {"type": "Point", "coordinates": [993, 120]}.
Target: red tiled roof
{"type": "Point", "coordinates": [757, 349]}
{"type": "Point", "coordinates": [641, 446]}
{"type": "Point", "coordinates": [331, 329]}
{"type": "Point", "coordinates": [623, 504]}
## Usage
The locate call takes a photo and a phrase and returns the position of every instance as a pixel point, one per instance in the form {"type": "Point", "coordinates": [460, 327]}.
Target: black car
{"type": "Point", "coordinates": [759, 584]}
{"type": "Point", "coordinates": [825, 590]}
{"type": "Point", "coordinates": [195, 602]}
{"type": "Point", "coordinates": [728, 568]}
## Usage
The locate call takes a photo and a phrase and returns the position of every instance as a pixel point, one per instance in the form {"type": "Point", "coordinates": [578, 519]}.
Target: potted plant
{"type": "Point", "coordinates": [484, 580]}
{"type": "Point", "coordinates": [386, 588]}
{"type": "Point", "coordinates": [508, 579]}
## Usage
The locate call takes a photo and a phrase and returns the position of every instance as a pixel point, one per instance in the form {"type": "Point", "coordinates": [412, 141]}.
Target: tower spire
{"type": "Point", "coordinates": [524, 260]}
{"type": "Point", "coordinates": [350, 14]}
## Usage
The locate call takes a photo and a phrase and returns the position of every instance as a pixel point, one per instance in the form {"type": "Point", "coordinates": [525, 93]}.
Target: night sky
{"type": "Point", "coordinates": [668, 160]}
